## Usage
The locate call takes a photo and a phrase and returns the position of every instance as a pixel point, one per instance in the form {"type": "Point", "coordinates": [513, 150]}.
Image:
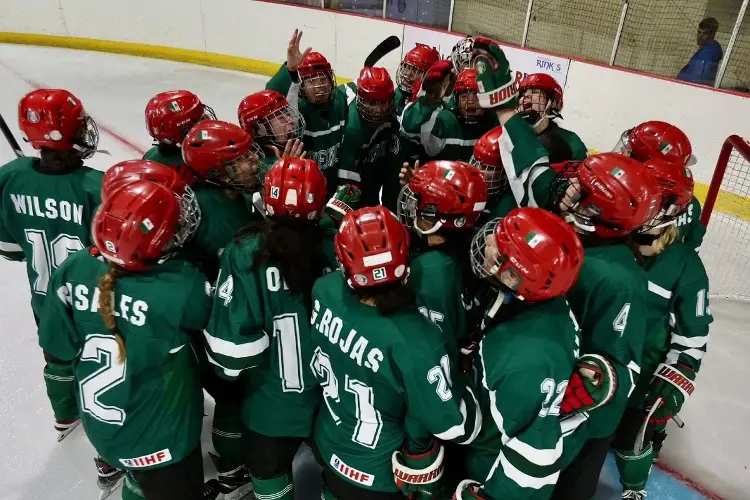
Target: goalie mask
{"type": "Point", "coordinates": [531, 253]}
{"type": "Point", "coordinates": [55, 119]}
{"type": "Point", "coordinates": [414, 66]}
{"type": "Point", "coordinates": [316, 79]}
{"type": "Point", "coordinates": [487, 159]}
{"type": "Point", "coordinates": [170, 115]}
{"type": "Point", "coordinates": [608, 195]}
{"type": "Point", "coordinates": [442, 195]}
{"type": "Point", "coordinates": [267, 116]}
{"type": "Point", "coordinates": [462, 53]}
{"type": "Point", "coordinates": [224, 154]}
{"type": "Point", "coordinates": [656, 140]}
{"type": "Point", "coordinates": [465, 92]}
{"type": "Point", "coordinates": [140, 225]}
{"type": "Point", "coordinates": [372, 248]}
{"type": "Point", "coordinates": [132, 171]}
{"type": "Point", "coordinates": [540, 99]}
{"type": "Point", "coordinates": [375, 93]}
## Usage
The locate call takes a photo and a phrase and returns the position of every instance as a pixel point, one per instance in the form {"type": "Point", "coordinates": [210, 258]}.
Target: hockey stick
{"type": "Point", "coordinates": [10, 138]}
{"type": "Point", "coordinates": [388, 45]}
{"type": "Point", "coordinates": [638, 446]}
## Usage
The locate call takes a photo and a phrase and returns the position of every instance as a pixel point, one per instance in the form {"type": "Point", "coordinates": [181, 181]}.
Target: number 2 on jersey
{"type": "Point", "coordinates": [102, 349]}
{"type": "Point", "coordinates": [46, 257]}
{"type": "Point", "coordinates": [369, 421]}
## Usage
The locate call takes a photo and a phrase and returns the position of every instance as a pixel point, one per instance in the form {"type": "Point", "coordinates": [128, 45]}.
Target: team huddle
{"type": "Point", "coordinates": [430, 283]}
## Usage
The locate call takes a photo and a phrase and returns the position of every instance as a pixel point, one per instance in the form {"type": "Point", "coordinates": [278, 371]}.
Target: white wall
{"type": "Point", "coordinates": [600, 103]}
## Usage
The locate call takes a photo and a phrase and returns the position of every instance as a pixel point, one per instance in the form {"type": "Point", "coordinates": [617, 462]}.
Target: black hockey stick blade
{"type": "Point", "coordinates": [10, 138]}
{"type": "Point", "coordinates": [388, 45]}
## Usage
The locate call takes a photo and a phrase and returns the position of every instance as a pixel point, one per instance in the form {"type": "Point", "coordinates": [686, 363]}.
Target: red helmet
{"type": "Point", "coordinates": [488, 160]}
{"type": "Point", "coordinates": [531, 252]}
{"type": "Point", "coordinates": [170, 115]}
{"type": "Point", "coordinates": [372, 248]}
{"type": "Point", "coordinates": [139, 225]}
{"type": "Point", "coordinates": [544, 82]}
{"type": "Point", "coordinates": [267, 116]}
{"type": "Point", "coordinates": [313, 66]}
{"type": "Point", "coordinates": [375, 94]}
{"type": "Point", "coordinates": [656, 140]}
{"type": "Point", "coordinates": [55, 119]}
{"type": "Point", "coordinates": [449, 194]}
{"type": "Point", "coordinates": [223, 153]}
{"type": "Point", "coordinates": [295, 188]}
{"type": "Point", "coordinates": [466, 81]}
{"type": "Point", "coordinates": [609, 195]}
{"type": "Point", "coordinates": [676, 183]}
{"type": "Point", "coordinates": [415, 64]}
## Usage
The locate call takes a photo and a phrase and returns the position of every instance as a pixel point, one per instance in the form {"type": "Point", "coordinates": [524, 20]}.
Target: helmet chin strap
{"type": "Point", "coordinates": [426, 232]}
{"type": "Point", "coordinates": [572, 219]}
{"type": "Point", "coordinates": [503, 297]}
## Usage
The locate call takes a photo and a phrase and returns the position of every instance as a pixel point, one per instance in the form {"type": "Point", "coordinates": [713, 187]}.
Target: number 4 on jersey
{"type": "Point", "coordinates": [621, 321]}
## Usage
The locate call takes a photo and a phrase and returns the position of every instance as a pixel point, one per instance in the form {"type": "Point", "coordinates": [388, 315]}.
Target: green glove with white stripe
{"type": "Point", "coordinates": [497, 88]}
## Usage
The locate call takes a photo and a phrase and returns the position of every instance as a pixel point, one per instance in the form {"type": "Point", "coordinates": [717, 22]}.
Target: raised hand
{"type": "Point", "coordinates": [293, 55]}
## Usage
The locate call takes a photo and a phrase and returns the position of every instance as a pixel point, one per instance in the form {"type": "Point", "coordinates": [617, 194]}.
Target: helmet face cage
{"type": "Point", "coordinates": [244, 171]}
{"type": "Point", "coordinates": [280, 126]}
{"type": "Point", "coordinates": [462, 53]}
{"type": "Point", "coordinates": [407, 75]}
{"type": "Point", "coordinates": [623, 144]}
{"type": "Point", "coordinates": [497, 181]}
{"type": "Point", "coordinates": [190, 217]}
{"type": "Point", "coordinates": [406, 207]}
{"type": "Point", "coordinates": [317, 88]}
{"type": "Point", "coordinates": [374, 112]}
{"type": "Point", "coordinates": [536, 104]}
{"type": "Point", "coordinates": [467, 105]}
{"type": "Point", "coordinates": [487, 262]}
{"type": "Point", "coordinates": [87, 138]}
{"type": "Point", "coordinates": [574, 204]}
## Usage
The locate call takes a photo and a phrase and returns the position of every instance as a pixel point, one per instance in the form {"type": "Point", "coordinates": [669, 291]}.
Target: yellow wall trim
{"type": "Point", "coordinates": [729, 203]}
{"type": "Point", "coordinates": [152, 51]}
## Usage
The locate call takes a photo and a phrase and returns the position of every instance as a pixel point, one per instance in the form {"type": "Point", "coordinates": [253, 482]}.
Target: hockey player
{"type": "Point", "coordinates": [661, 140]}
{"type": "Point", "coordinates": [266, 278]}
{"type": "Point", "coordinates": [309, 76]}
{"type": "Point", "coordinates": [169, 117]}
{"type": "Point", "coordinates": [677, 330]}
{"type": "Point", "coordinates": [411, 71]}
{"type": "Point", "coordinates": [446, 134]}
{"type": "Point", "coordinates": [388, 375]}
{"type": "Point", "coordinates": [47, 206]}
{"type": "Point", "coordinates": [528, 348]}
{"type": "Point", "coordinates": [123, 314]}
{"type": "Point", "coordinates": [226, 162]}
{"type": "Point", "coordinates": [605, 198]}
{"type": "Point", "coordinates": [540, 102]}
{"type": "Point", "coordinates": [268, 117]}
{"type": "Point", "coordinates": [462, 53]}
{"type": "Point", "coordinates": [441, 205]}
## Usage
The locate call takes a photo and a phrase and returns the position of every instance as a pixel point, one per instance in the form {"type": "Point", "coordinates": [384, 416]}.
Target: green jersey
{"type": "Point", "coordinates": [383, 379]}
{"type": "Point", "coordinates": [609, 300]}
{"type": "Point", "coordinates": [437, 279]}
{"type": "Point", "coordinates": [45, 218]}
{"type": "Point", "coordinates": [498, 208]}
{"type": "Point", "coordinates": [441, 132]}
{"type": "Point", "coordinates": [147, 411]}
{"type": "Point", "coordinates": [691, 230]}
{"type": "Point", "coordinates": [524, 363]}
{"type": "Point", "coordinates": [562, 145]}
{"type": "Point", "coordinates": [254, 316]}
{"type": "Point", "coordinates": [169, 156]}
{"type": "Point", "coordinates": [678, 314]}
{"type": "Point", "coordinates": [400, 100]}
{"type": "Point", "coordinates": [221, 217]}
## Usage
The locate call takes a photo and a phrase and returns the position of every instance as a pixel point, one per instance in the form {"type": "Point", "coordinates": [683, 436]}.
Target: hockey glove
{"type": "Point", "coordinates": [670, 387]}
{"type": "Point", "coordinates": [592, 385]}
{"type": "Point", "coordinates": [418, 475]}
{"type": "Point", "coordinates": [437, 82]}
{"type": "Point", "coordinates": [468, 489]}
{"type": "Point", "coordinates": [497, 88]}
{"type": "Point", "coordinates": [347, 197]}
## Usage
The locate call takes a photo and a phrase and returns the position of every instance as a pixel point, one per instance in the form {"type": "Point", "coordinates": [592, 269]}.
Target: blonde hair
{"type": "Point", "coordinates": [106, 306]}
{"type": "Point", "coordinates": [668, 236]}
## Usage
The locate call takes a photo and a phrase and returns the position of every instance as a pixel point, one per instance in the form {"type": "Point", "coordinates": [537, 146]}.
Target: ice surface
{"type": "Point", "coordinates": [115, 89]}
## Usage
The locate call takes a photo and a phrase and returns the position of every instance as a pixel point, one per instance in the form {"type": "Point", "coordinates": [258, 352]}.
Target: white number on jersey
{"type": "Point", "coordinates": [434, 316]}
{"type": "Point", "coordinates": [549, 388]}
{"type": "Point", "coordinates": [226, 290]}
{"type": "Point", "coordinates": [48, 257]}
{"type": "Point", "coordinates": [441, 375]}
{"type": "Point", "coordinates": [103, 350]}
{"type": "Point", "coordinates": [701, 306]}
{"type": "Point", "coordinates": [286, 331]}
{"type": "Point", "coordinates": [369, 420]}
{"type": "Point", "coordinates": [621, 321]}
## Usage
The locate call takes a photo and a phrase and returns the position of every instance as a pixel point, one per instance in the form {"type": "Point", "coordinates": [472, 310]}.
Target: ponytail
{"type": "Point", "coordinates": [106, 306]}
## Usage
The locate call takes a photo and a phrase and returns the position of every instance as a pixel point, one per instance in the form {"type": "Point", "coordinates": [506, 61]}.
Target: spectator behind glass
{"type": "Point", "coordinates": [703, 65]}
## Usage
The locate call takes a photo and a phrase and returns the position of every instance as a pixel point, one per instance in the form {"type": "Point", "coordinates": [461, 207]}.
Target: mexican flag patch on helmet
{"type": "Point", "coordinates": [533, 239]}
{"type": "Point", "coordinates": [146, 225]}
